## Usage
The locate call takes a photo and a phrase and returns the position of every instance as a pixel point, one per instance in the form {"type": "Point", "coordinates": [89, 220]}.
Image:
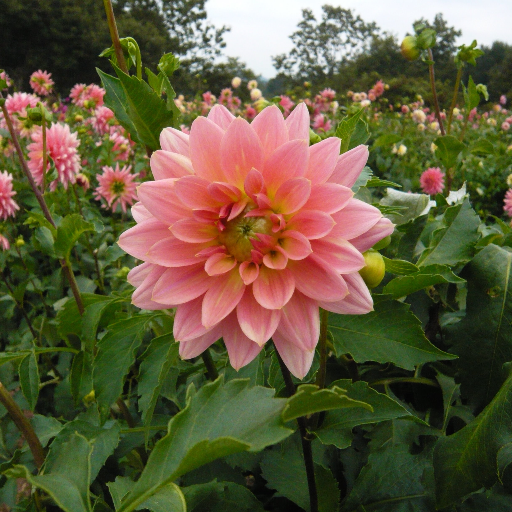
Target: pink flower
{"type": "Point", "coordinates": [16, 105]}
{"type": "Point", "coordinates": [287, 105]}
{"type": "Point", "coordinates": [5, 76]}
{"type": "Point", "coordinates": [432, 181]}
{"type": "Point", "coordinates": [503, 99]}
{"type": "Point", "coordinates": [328, 94]}
{"type": "Point", "coordinates": [8, 205]}
{"type": "Point", "coordinates": [507, 202]}
{"type": "Point", "coordinates": [4, 243]}
{"type": "Point", "coordinates": [208, 98]}
{"type": "Point", "coordinates": [41, 82]}
{"type": "Point", "coordinates": [250, 112]}
{"type": "Point", "coordinates": [248, 231]}
{"type": "Point", "coordinates": [378, 88]}
{"type": "Point", "coordinates": [121, 146]}
{"type": "Point", "coordinates": [87, 96]}
{"type": "Point", "coordinates": [505, 126]}
{"type": "Point", "coordinates": [100, 120]}
{"type": "Point", "coordinates": [117, 187]}
{"type": "Point", "coordinates": [76, 93]}
{"type": "Point", "coordinates": [61, 147]}
{"type": "Point", "coordinates": [321, 123]}
{"type": "Point", "coordinates": [405, 109]}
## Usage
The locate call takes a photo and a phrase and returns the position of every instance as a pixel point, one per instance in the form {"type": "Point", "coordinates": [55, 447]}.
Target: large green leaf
{"type": "Point", "coordinates": [220, 419]}
{"type": "Point", "coordinates": [454, 240]}
{"type": "Point", "coordinates": [347, 128]}
{"type": "Point", "coordinates": [389, 334]}
{"type": "Point", "coordinates": [483, 339]}
{"type": "Point", "coordinates": [415, 204]}
{"type": "Point", "coordinates": [80, 376]}
{"type": "Point", "coordinates": [467, 460]}
{"type": "Point", "coordinates": [68, 233]}
{"type": "Point", "coordinates": [448, 149]}
{"type": "Point", "coordinates": [29, 378]}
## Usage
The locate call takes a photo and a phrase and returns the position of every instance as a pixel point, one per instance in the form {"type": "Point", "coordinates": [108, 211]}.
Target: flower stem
{"type": "Point", "coordinates": [434, 92]}
{"type": "Point", "coordinates": [454, 99]}
{"type": "Point", "coordinates": [45, 153]}
{"type": "Point", "coordinates": [322, 349]}
{"type": "Point", "coordinates": [305, 439]}
{"type": "Point", "coordinates": [114, 35]}
{"type": "Point", "coordinates": [211, 370]}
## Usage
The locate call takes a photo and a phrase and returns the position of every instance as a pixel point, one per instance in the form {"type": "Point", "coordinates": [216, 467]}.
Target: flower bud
{"type": "Point", "coordinates": [79, 118]}
{"type": "Point", "coordinates": [409, 48]}
{"type": "Point", "coordinates": [19, 242]}
{"type": "Point", "coordinates": [382, 244]}
{"type": "Point", "coordinates": [374, 270]}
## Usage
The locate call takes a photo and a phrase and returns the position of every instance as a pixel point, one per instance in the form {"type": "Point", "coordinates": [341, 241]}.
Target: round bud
{"type": "Point", "coordinates": [382, 244]}
{"type": "Point", "coordinates": [79, 118]}
{"type": "Point", "coordinates": [410, 48]}
{"type": "Point", "coordinates": [19, 241]}
{"type": "Point", "coordinates": [374, 270]}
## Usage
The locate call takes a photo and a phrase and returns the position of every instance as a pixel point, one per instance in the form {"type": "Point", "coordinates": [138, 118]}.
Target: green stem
{"type": "Point", "coordinates": [45, 153]}
{"type": "Point", "coordinates": [454, 99]}
{"type": "Point", "coordinates": [415, 380]}
{"type": "Point", "coordinates": [114, 35]}
{"type": "Point", "coordinates": [211, 370]}
{"type": "Point", "coordinates": [434, 92]}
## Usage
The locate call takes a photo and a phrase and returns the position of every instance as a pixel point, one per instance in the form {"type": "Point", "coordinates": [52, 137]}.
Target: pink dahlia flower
{"type": "Point", "coordinates": [100, 120]}
{"type": "Point", "coordinates": [320, 122]}
{"type": "Point", "coordinates": [16, 105]}
{"type": "Point", "coordinates": [4, 243]}
{"type": "Point", "coordinates": [287, 105]}
{"type": "Point", "coordinates": [247, 231]}
{"type": "Point", "coordinates": [507, 202]}
{"type": "Point", "coordinates": [432, 181]}
{"type": "Point", "coordinates": [41, 82]}
{"type": "Point", "coordinates": [8, 205]}
{"type": "Point", "coordinates": [61, 148]}
{"type": "Point", "coordinates": [5, 76]}
{"type": "Point", "coordinates": [117, 187]}
{"type": "Point", "coordinates": [87, 96]}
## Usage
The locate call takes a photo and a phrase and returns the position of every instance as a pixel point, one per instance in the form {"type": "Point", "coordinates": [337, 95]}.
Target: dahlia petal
{"type": "Point", "coordinates": [137, 274]}
{"type": "Point", "coordinates": [193, 192]}
{"type": "Point", "coordinates": [165, 164]}
{"type": "Point", "coordinates": [298, 123]}
{"type": "Point", "coordinates": [205, 141]}
{"type": "Point", "coordinates": [221, 116]}
{"type": "Point", "coordinates": [275, 258]}
{"type": "Point", "coordinates": [349, 166]}
{"type": "Point", "coordinates": [142, 296]}
{"type": "Point", "coordinates": [273, 288]}
{"type": "Point", "coordinates": [311, 223]}
{"type": "Point", "coordinates": [296, 360]}
{"type": "Point", "coordinates": [339, 254]}
{"type": "Point", "coordinates": [193, 348]}
{"type": "Point", "coordinates": [160, 199]}
{"type": "Point", "coordinates": [172, 252]}
{"type": "Point", "coordinates": [300, 322]}
{"type": "Point", "coordinates": [358, 301]}
{"type": "Point", "coordinates": [237, 208]}
{"type": "Point", "coordinates": [254, 184]}
{"type": "Point", "coordinates": [187, 321]}
{"type": "Point", "coordinates": [191, 230]}
{"type": "Point", "coordinates": [240, 150]}
{"type": "Point", "coordinates": [224, 192]}
{"type": "Point", "coordinates": [382, 229]}
{"type": "Point", "coordinates": [323, 157]}
{"type": "Point", "coordinates": [328, 197]}
{"type": "Point", "coordinates": [295, 245]}
{"type": "Point", "coordinates": [140, 212]}
{"type": "Point", "coordinates": [355, 219]}
{"type": "Point", "coordinates": [249, 271]}
{"type": "Point", "coordinates": [175, 141]}
{"type": "Point", "coordinates": [292, 195]}
{"type": "Point", "coordinates": [223, 295]}
{"type": "Point", "coordinates": [219, 263]}
{"type": "Point", "coordinates": [257, 323]}
{"type": "Point", "coordinates": [317, 280]}
{"type": "Point", "coordinates": [241, 349]}
{"type": "Point", "coordinates": [271, 129]}
{"type": "Point", "coordinates": [180, 285]}
{"type": "Point", "coordinates": [136, 240]}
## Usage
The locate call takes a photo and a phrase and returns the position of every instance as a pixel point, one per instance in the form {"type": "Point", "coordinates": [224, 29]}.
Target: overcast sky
{"type": "Point", "coordinates": [261, 28]}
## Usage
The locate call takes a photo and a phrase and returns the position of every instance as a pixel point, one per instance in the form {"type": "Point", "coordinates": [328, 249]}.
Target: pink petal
{"type": "Point", "coordinates": [195, 347]}
{"type": "Point", "coordinates": [241, 150]}
{"type": "Point", "coordinates": [142, 295]}
{"type": "Point", "coordinates": [139, 238]}
{"type": "Point", "coordinates": [296, 360]}
{"type": "Point", "coordinates": [339, 254]}
{"type": "Point", "coordinates": [328, 197]}
{"type": "Point", "coordinates": [193, 192]}
{"type": "Point", "coordinates": [323, 157]}
{"type": "Point", "coordinates": [205, 141]}
{"type": "Point", "coordinates": [249, 271]}
{"type": "Point", "coordinates": [358, 302]}
{"type": "Point", "coordinates": [275, 258]}
{"type": "Point", "coordinates": [219, 263]}
{"type": "Point", "coordinates": [254, 184]}
{"type": "Point", "coordinates": [257, 323]}
{"type": "Point", "coordinates": [223, 295]}
{"type": "Point", "coordinates": [137, 274]}
{"type": "Point", "coordinates": [381, 230]}
{"type": "Point", "coordinates": [298, 123]}
{"type": "Point", "coordinates": [295, 245]}
{"type": "Point", "coordinates": [311, 223]}
{"type": "Point", "coordinates": [355, 219]}
{"type": "Point", "coordinates": [160, 199]}
{"type": "Point", "coordinates": [349, 166]}
{"type": "Point", "coordinates": [221, 116]}
{"type": "Point", "coordinates": [317, 280]}
{"type": "Point", "coordinates": [241, 349]}
{"type": "Point", "coordinates": [288, 161]}
{"type": "Point", "coordinates": [271, 129]}
{"type": "Point", "coordinates": [140, 212]}
{"type": "Point", "coordinates": [191, 230]}
{"type": "Point", "coordinates": [273, 288]}
{"type": "Point", "coordinates": [165, 164]}
{"type": "Point", "coordinates": [175, 141]}
{"type": "Point", "coordinates": [180, 285]}
{"type": "Point", "coordinates": [172, 252]}
{"type": "Point", "coordinates": [292, 195]}
{"type": "Point", "coordinates": [224, 192]}
{"type": "Point", "coordinates": [187, 321]}
{"type": "Point", "coordinates": [300, 322]}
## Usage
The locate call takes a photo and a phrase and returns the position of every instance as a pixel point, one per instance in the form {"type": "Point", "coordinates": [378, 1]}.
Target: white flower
{"type": "Point", "coordinates": [402, 150]}
{"type": "Point", "coordinates": [235, 83]}
{"type": "Point", "coordinates": [255, 94]}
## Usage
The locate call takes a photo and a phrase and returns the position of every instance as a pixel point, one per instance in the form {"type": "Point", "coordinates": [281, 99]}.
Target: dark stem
{"type": "Point", "coordinates": [114, 35]}
{"type": "Point", "coordinates": [45, 155]}
{"type": "Point", "coordinates": [434, 92]}
{"type": "Point", "coordinates": [23, 425]}
{"type": "Point", "coordinates": [127, 415]}
{"type": "Point", "coordinates": [454, 99]}
{"type": "Point", "coordinates": [211, 370]}
{"type": "Point", "coordinates": [351, 367]}
{"type": "Point", "coordinates": [305, 439]}
{"type": "Point", "coordinates": [322, 349]}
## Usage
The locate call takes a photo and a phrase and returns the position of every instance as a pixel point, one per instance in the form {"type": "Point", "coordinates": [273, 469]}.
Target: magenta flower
{"type": "Point", "coordinates": [248, 231]}
{"type": "Point", "coordinates": [117, 187]}
{"type": "Point", "coordinates": [61, 148]}
{"type": "Point", "coordinates": [8, 205]}
{"type": "Point", "coordinates": [432, 181]}
{"type": "Point", "coordinates": [507, 202]}
{"type": "Point", "coordinates": [4, 243]}
{"type": "Point", "coordinates": [41, 82]}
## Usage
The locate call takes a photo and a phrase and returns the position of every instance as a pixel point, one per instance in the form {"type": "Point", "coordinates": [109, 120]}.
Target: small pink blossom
{"type": "Point", "coordinates": [507, 202]}
{"type": "Point", "coordinates": [405, 109]}
{"type": "Point", "coordinates": [117, 187]}
{"type": "Point", "coordinates": [5, 76]}
{"type": "Point", "coordinates": [41, 82]}
{"type": "Point", "coordinates": [503, 99]}
{"type": "Point", "coordinates": [120, 146]}
{"type": "Point", "coordinates": [378, 88]}
{"type": "Point", "coordinates": [320, 122]}
{"type": "Point", "coordinates": [505, 126]}
{"type": "Point", "coordinates": [87, 96]}
{"type": "Point", "coordinates": [100, 120]}
{"type": "Point", "coordinates": [208, 98]}
{"type": "Point", "coordinates": [328, 94]}
{"type": "Point", "coordinates": [16, 105]}
{"type": "Point", "coordinates": [287, 105]}
{"type": "Point", "coordinates": [432, 181]}
{"type": "Point", "coordinates": [250, 112]}
{"type": "Point", "coordinates": [8, 205]}
{"type": "Point", "coordinates": [4, 243]}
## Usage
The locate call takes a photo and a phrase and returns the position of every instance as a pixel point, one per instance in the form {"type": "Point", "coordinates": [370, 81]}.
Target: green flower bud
{"type": "Point", "coordinates": [374, 270]}
{"type": "Point", "coordinates": [409, 48]}
{"type": "Point", "coordinates": [383, 243]}
{"type": "Point", "coordinates": [122, 273]}
{"type": "Point", "coordinates": [19, 241]}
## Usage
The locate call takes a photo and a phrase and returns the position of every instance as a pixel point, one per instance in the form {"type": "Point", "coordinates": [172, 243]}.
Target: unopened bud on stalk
{"type": "Point", "coordinates": [374, 270]}
{"type": "Point", "coordinates": [409, 48]}
{"type": "Point", "coordinates": [19, 242]}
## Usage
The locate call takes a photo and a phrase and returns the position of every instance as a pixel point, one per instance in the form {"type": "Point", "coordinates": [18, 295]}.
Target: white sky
{"type": "Point", "coordinates": [260, 28]}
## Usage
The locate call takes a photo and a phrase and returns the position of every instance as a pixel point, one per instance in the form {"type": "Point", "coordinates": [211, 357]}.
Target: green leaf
{"type": "Point", "coordinates": [454, 240]}
{"type": "Point", "coordinates": [119, 489]}
{"type": "Point", "coordinates": [504, 463]}
{"type": "Point", "coordinates": [92, 317]}
{"type": "Point", "coordinates": [69, 232]}
{"type": "Point", "coordinates": [168, 64]}
{"type": "Point", "coordinates": [337, 426]}
{"type": "Point", "coordinates": [483, 339]}
{"type": "Point", "coordinates": [411, 234]}
{"type": "Point", "coordinates": [45, 240]}
{"type": "Point", "coordinates": [45, 427]}
{"type": "Point", "coordinates": [387, 139]}
{"type": "Point", "coordinates": [377, 182]}
{"type": "Point", "coordinates": [346, 129]}
{"type": "Point", "coordinates": [219, 420]}
{"type": "Point", "coordinates": [116, 353]}
{"type": "Point", "coordinates": [467, 460]}
{"type": "Point", "coordinates": [309, 399]}
{"type": "Point", "coordinates": [448, 149]}
{"type": "Point", "coordinates": [80, 376]}
{"type": "Point", "coordinates": [415, 204]}
{"type": "Point", "coordinates": [362, 180]}
{"type": "Point", "coordinates": [471, 95]}
{"type": "Point", "coordinates": [29, 378]}
{"type": "Point", "coordinates": [360, 135]}
{"type": "Point", "coordinates": [400, 267]}
{"type": "Point", "coordinates": [390, 334]}
{"type": "Point", "coordinates": [166, 499]}
{"type": "Point", "coordinates": [425, 277]}
{"type": "Point", "coordinates": [482, 147]}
